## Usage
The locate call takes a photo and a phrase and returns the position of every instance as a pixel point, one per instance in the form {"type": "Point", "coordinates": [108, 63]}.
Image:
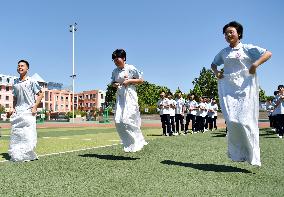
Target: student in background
{"type": "Point", "coordinates": [172, 112]}
{"type": "Point", "coordinates": [164, 106]}
{"type": "Point", "coordinates": [279, 110]}
{"type": "Point", "coordinates": [179, 113]}
{"type": "Point", "coordinates": [191, 107]}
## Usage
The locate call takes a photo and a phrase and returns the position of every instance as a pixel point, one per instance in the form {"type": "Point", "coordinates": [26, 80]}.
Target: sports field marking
{"type": "Point", "coordinates": [71, 151]}
{"type": "Point", "coordinates": [46, 137]}
{"type": "Point", "coordinates": [114, 140]}
{"type": "Point", "coordinates": [87, 139]}
{"type": "Point", "coordinates": [64, 138]}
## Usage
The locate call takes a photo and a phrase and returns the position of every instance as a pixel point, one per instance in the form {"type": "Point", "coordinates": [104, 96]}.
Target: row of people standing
{"type": "Point", "coordinates": [202, 113]}
{"type": "Point", "coordinates": [275, 110]}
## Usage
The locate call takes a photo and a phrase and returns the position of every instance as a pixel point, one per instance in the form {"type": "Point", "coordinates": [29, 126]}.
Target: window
{"type": "Point", "coordinates": [0, 97]}
{"type": "Point", "coordinates": [8, 80]}
{"type": "Point", "coordinates": [46, 95]}
{"type": "Point", "coordinates": [7, 98]}
{"type": "Point", "coordinates": [7, 106]}
{"type": "Point", "coordinates": [0, 79]}
{"type": "Point", "coordinates": [66, 98]}
{"type": "Point", "coordinates": [102, 96]}
{"type": "Point", "coordinates": [7, 88]}
{"type": "Point", "coordinates": [62, 98]}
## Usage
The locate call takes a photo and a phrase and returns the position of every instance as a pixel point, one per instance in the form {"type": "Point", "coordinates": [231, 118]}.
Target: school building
{"type": "Point", "coordinates": [55, 98]}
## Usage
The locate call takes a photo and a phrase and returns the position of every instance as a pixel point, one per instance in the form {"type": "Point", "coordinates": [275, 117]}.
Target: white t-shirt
{"type": "Point", "coordinates": [191, 107]}
{"type": "Point", "coordinates": [25, 92]}
{"type": "Point", "coordinates": [202, 110]}
{"type": "Point", "coordinates": [179, 106]}
{"type": "Point", "coordinates": [238, 58]}
{"type": "Point", "coordinates": [172, 110]}
{"type": "Point", "coordinates": [164, 105]}
{"type": "Point", "coordinates": [279, 109]}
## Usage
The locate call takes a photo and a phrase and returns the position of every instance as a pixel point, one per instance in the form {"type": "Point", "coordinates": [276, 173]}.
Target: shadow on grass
{"type": "Point", "coordinates": [109, 157]}
{"type": "Point", "coordinates": [207, 167]}
{"type": "Point", "coordinates": [219, 135]}
{"type": "Point", "coordinates": [5, 156]}
{"type": "Point", "coordinates": [272, 137]}
{"type": "Point", "coordinates": [268, 132]}
{"type": "Point", "coordinates": [154, 135]}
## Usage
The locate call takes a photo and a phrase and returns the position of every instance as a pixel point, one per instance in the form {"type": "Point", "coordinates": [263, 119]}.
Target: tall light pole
{"type": "Point", "coordinates": [73, 28]}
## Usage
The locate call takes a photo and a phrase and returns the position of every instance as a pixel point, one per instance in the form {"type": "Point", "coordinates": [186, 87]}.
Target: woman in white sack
{"type": "Point", "coordinates": [127, 115]}
{"type": "Point", "coordinates": [23, 137]}
{"type": "Point", "coordinates": [239, 93]}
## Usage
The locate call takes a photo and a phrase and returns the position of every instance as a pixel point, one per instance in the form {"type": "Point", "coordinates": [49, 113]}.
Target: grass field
{"type": "Point", "coordinates": [191, 165]}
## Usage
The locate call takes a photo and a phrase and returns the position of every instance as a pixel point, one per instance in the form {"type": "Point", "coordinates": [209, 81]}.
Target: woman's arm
{"type": "Point", "coordinates": [260, 61]}
{"type": "Point", "coordinates": [132, 81]}
{"type": "Point", "coordinates": [38, 100]}
{"type": "Point", "coordinates": [218, 74]}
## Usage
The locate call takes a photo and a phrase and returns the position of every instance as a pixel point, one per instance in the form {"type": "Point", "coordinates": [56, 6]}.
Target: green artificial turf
{"type": "Point", "coordinates": [190, 165]}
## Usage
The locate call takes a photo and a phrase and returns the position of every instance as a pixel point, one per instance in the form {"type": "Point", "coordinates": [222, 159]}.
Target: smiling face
{"type": "Point", "coordinates": [232, 36]}
{"type": "Point", "coordinates": [22, 68]}
{"type": "Point", "coordinates": [119, 62]}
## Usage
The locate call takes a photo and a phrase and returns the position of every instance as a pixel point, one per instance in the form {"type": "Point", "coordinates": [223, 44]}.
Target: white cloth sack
{"type": "Point", "coordinates": [239, 100]}
{"type": "Point", "coordinates": [23, 137]}
{"type": "Point", "coordinates": [127, 119]}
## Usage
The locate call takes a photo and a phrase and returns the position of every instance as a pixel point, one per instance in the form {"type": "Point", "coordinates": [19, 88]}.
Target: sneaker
{"type": "Point", "coordinates": [280, 136]}
{"type": "Point", "coordinates": [205, 130]}
{"type": "Point", "coordinates": [273, 129]}
{"type": "Point", "coordinates": [175, 134]}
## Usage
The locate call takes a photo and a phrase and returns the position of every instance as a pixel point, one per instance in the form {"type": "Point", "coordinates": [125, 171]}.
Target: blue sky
{"type": "Point", "coordinates": [170, 41]}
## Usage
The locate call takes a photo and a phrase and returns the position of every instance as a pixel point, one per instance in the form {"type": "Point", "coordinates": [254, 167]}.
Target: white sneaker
{"type": "Point", "coordinates": [205, 130]}
{"type": "Point", "coordinates": [273, 129]}
{"type": "Point", "coordinates": [175, 134]}
{"type": "Point", "coordinates": [280, 137]}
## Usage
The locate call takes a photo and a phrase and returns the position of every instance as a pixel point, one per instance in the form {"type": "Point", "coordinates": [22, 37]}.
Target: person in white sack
{"type": "Point", "coordinates": [238, 91]}
{"type": "Point", "coordinates": [27, 96]}
{"type": "Point", "coordinates": [127, 115]}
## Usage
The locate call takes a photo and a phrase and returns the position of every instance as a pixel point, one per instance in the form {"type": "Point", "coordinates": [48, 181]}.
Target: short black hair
{"type": "Point", "coordinates": [26, 62]}
{"type": "Point", "coordinates": [276, 92]}
{"type": "Point", "coordinates": [236, 25]}
{"type": "Point", "coordinates": [119, 53]}
{"type": "Point", "coordinates": [280, 86]}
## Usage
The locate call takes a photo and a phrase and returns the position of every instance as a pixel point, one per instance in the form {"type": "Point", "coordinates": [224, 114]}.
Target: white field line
{"type": "Point", "coordinates": [70, 151]}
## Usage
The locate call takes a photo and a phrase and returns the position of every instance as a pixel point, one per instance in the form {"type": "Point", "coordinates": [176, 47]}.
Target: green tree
{"type": "Point", "coordinates": [262, 96]}
{"type": "Point", "coordinates": [110, 95]}
{"type": "Point", "coordinates": [2, 109]}
{"type": "Point", "coordinates": [205, 84]}
{"type": "Point", "coordinates": [148, 95]}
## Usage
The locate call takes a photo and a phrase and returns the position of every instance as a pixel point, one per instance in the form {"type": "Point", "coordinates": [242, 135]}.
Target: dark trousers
{"type": "Point", "coordinates": [172, 120]}
{"type": "Point", "coordinates": [199, 123]}
{"type": "Point", "coordinates": [215, 122]}
{"type": "Point", "coordinates": [210, 122]}
{"type": "Point", "coordinates": [193, 119]}
{"type": "Point", "coordinates": [179, 120]}
{"type": "Point", "coordinates": [206, 122]}
{"type": "Point", "coordinates": [280, 124]}
{"type": "Point", "coordinates": [166, 125]}
{"type": "Point", "coordinates": [272, 120]}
